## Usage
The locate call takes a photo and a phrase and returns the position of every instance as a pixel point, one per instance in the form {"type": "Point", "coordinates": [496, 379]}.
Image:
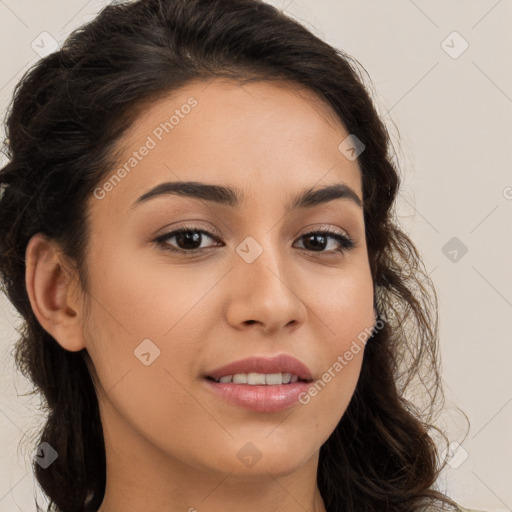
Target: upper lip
{"type": "Point", "coordinates": [282, 363]}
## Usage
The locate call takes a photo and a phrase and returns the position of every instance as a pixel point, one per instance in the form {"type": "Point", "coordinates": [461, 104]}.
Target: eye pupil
{"type": "Point", "coordinates": [187, 237]}
{"type": "Point", "coordinates": [313, 245]}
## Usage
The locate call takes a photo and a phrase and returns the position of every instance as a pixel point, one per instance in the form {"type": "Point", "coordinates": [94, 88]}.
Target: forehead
{"type": "Point", "coordinates": [257, 136]}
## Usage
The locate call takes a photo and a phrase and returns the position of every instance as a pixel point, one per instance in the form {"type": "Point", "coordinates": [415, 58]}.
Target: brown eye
{"type": "Point", "coordinates": [188, 240]}
{"type": "Point", "coordinates": [317, 241]}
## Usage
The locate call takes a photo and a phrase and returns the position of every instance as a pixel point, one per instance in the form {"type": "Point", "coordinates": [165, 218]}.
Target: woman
{"type": "Point", "coordinates": [221, 312]}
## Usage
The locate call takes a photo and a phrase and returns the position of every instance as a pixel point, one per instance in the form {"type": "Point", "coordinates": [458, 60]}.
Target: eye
{"type": "Point", "coordinates": [318, 240]}
{"type": "Point", "coordinates": [189, 239]}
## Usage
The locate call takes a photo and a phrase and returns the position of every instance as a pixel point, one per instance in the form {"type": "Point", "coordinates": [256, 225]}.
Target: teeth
{"type": "Point", "coordinates": [286, 377]}
{"type": "Point", "coordinates": [240, 378]}
{"type": "Point", "coordinates": [273, 378]}
{"type": "Point", "coordinates": [254, 379]}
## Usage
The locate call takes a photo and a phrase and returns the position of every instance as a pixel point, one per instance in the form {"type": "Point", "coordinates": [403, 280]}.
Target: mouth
{"type": "Point", "coordinates": [258, 397]}
{"type": "Point", "coordinates": [257, 370]}
{"type": "Point", "coordinates": [259, 384]}
{"type": "Point", "coordinates": [259, 379]}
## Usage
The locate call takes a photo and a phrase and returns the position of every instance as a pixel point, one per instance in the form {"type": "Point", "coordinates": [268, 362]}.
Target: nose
{"type": "Point", "coordinates": [263, 293]}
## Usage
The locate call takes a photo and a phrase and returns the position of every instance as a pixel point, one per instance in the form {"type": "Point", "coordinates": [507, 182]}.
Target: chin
{"type": "Point", "coordinates": [257, 460]}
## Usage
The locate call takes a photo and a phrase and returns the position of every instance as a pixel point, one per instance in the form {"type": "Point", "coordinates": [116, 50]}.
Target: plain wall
{"type": "Point", "coordinates": [450, 119]}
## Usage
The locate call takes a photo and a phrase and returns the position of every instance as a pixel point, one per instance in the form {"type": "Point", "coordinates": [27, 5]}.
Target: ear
{"type": "Point", "coordinates": [53, 292]}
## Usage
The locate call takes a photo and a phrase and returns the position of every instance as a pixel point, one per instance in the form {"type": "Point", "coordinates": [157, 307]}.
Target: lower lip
{"type": "Point", "coordinates": [260, 398]}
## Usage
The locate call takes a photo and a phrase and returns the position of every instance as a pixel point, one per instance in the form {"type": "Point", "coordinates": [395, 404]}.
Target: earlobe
{"type": "Point", "coordinates": [49, 287]}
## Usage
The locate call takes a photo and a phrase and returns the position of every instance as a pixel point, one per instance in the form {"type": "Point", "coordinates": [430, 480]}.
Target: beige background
{"type": "Point", "coordinates": [450, 118]}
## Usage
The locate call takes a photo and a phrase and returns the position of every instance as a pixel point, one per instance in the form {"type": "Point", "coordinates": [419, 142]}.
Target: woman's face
{"type": "Point", "coordinates": [247, 282]}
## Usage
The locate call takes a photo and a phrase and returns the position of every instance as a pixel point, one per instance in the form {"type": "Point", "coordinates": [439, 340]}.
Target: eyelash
{"type": "Point", "coordinates": [346, 242]}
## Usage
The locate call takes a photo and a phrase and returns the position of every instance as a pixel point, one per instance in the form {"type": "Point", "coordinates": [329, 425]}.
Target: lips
{"type": "Point", "coordinates": [282, 363]}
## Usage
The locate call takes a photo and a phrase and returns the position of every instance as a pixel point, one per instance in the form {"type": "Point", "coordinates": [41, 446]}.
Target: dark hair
{"type": "Point", "coordinates": [67, 115]}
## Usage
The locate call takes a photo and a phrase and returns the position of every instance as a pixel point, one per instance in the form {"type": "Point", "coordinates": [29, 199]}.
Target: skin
{"type": "Point", "coordinates": [171, 444]}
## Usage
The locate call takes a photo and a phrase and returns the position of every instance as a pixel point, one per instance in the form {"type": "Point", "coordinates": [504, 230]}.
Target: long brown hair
{"type": "Point", "coordinates": [67, 114]}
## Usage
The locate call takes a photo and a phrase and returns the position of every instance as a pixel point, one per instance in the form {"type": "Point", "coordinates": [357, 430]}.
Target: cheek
{"type": "Point", "coordinates": [131, 305]}
{"type": "Point", "coordinates": [344, 305]}
{"type": "Point", "coordinates": [346, 308]}
{"type": "Point", "coordinates": [148, 298]}
{"type": "Point", "coordinates": [134, 301]}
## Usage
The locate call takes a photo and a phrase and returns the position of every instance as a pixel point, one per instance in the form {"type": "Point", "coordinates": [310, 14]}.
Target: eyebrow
{"type": "Point", "coordinates": [234, 198]}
